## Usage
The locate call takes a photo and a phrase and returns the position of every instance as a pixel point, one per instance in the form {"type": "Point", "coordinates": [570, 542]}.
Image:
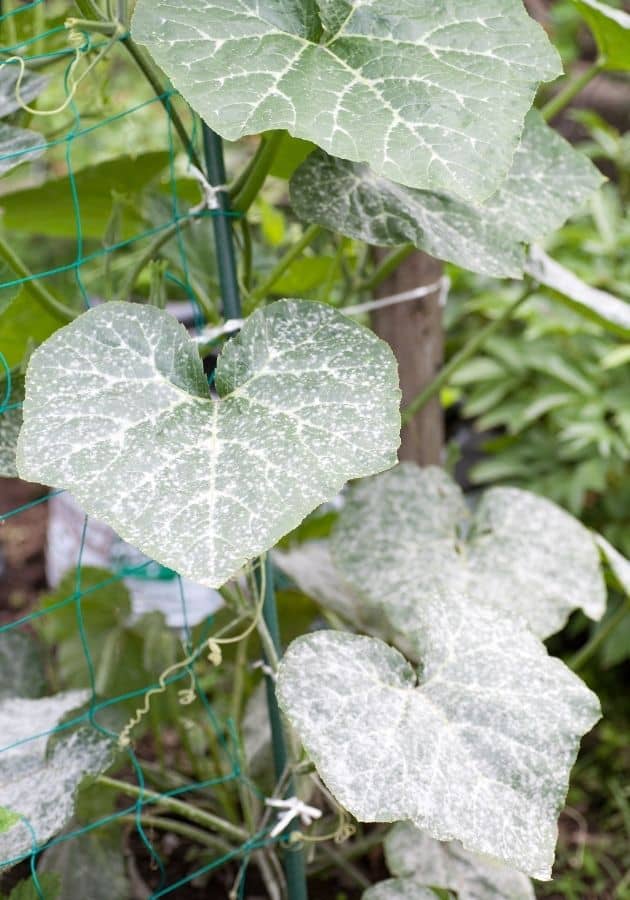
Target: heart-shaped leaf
{"type": "Point", "coordinates": [411, 530]}
{"type": "Point", "coordinates": [611, 28]}
{"type": "Point", "coordinates": [478, 748]}
{"type": "Point", "coordinates": [414, 856]}
{"type": "Point", "coordinates": [118, 411]}
{"type": "Point", "coordinates": [37, 787]}
{"type": "Point", "coordinates": [406, 87]}
{"type": "Point", "coordinates": [17, 145]}
{"type": "Point", "coordinates": [548, 182]}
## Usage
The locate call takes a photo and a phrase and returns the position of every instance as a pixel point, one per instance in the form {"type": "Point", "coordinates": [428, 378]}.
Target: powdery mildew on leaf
{"type": "Point", "coordinates": [10, 424]}
{"type": "Point", "coordinates": [118, 412]}
{"type": "Point", "coordinates": [399, 889]}
{"type": "Point", "coordinates": [408, 534]}
{"type": "Point", "coordinates": [413, 855]}
{"type": "Point", "coordinates": [611, 28]}
{"type": "Point", "coordinates": [479, 749]}
{"type": "Point", "coordinates": [17, 145]}
{"type": "Point", "coordinates": [407, 86]}
{"type": "Point", "coordinates": [31, 86]}
{"type": "Point", "coordinates": [37, 785]}
{"type": "Point", "coordinates": [548, 182]}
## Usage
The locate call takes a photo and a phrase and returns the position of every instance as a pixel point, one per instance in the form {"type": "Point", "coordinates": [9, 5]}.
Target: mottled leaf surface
{"type": "Point", "coordinates": [413, 855]}
{"type": "Point", "coordinates": [21, 665]}
{"type": "Point", "coordinates": [31, 86]}
{"type": "Point", "coordinates": [10, 424]}
{"type": "Point", "coordinates": [399, 889]}
{"type": "Point", "coordinates": [605, 308]}
{"type": "Point", "coordinates": [611, 28]}
{"type": "Point", "coordinates": [477, 748]}
{"type": "Point", "coordinates": [408, 87]}
{"type": "Point", "coordinates": [83, 861]}
{"type": "Point", "coordinates": [308, 400]}
{"type": "Point", "coordinates": [37, 785]}
{"type": "Point", "coordinates": [548, 182]}
{"type": "Point", "coordinates": [408, 535]}
{"type": "Point", "coordinates": [17, 145]}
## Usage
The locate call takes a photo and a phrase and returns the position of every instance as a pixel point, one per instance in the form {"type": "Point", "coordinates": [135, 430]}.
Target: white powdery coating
{"type": "Point", "coordinates": [547, 183]}
{"type": "Point", "coordinates": [408, 534]}
{"type": "Point", "coordinates": [399, 889]}
{"type": "Point", "coordinates": [10, 424]}
{"type": "Point", "coordinates": [118, 412]}
{"type": "Point", "coordinates": [31, 86]}
{"type": "Point", "coordinates": [479, 751]}
{"type": "Point", "coordinates": [413, 855]}
{"type": "Point", "coordinates": [432, 95]}
{"type": "Point", "coordinates": [39, 787]}
{"type": "Point", "coordinates": [17, 145]}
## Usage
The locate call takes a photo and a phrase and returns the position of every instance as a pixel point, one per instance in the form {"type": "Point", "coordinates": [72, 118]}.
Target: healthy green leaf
{"type": "Point", "coordinates": [10, 424]}
{"type": "Point", "coordinates": [26, 889]}
{"type": "Point", "coordinates": [399, 889]}
{"type": "Point", "coordinates": [308, 400]}
{"type": "Point", "coordinates": [519, 553]}
{"type": "Point", "coordinates": [407, 87]}
{"type": "Point", "coordinates": [599, 305]}
{"type": "Point", "coordinates": [413, 855]}
{"type": "Point", "coordinates": [39, 786]}
{"type": "Point", "coordinates": [619, 565]}
{"type": "Point", "coordinates": [611, 28]}
{"type": "Point", "coordinates": [18, 145]}
{"type": "Point", "coordinates": [477, 747]}
{"type": "Point", "coordinates": [23, 322]}
{"type": "Point", "coordinates": [548, 181]}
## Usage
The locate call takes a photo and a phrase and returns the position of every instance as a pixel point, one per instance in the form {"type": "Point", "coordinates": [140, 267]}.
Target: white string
{"type": "Point", "coordinates": [293, 808]}
{"type": "Point", "coordinates": [210, 191]}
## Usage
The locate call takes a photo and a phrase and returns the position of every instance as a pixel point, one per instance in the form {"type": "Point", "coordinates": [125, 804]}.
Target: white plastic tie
{"type": "Point", "coordinates": [293, 808]}
{"type": "Point", "coordinates": [210, 191]}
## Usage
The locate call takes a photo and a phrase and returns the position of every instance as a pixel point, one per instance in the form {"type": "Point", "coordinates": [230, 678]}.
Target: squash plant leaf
{"type": "Point", "coordinates": [38, 784]}
{"type": "Point", "coordinates": [611, 29]}
{"type": "Point", "coordinates": [414, 856]}
{"type": "Point", "coordinates": [17, 145]}
{"type": "Point", "coordinates": [412, 531]}
{"type": "Point", "coordinates": [31, 86]}
{"type": "Point", "coordinates": [399, 889]}
{"type": "Point", "coordinates": [405, 87]}
{"type": "Point", "coordinates": [307, 400]}
{"type": "Point", "coordinates": [548, 181]}
{"type": "Point", "coordinates": [10, 424]}
{"type": "Point", "coordinates": [593, 303]}
{"type": "Point", "coordinates": [477, 746]}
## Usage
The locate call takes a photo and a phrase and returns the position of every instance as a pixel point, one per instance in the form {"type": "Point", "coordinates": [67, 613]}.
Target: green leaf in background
{"type": "Point", "coordinates": [413, 855]}
{"type": "Point", "coordinates": [519, 554]}
{"type": "Point", "coordinates": [308, 400]}
{"type": "Point", "coordinates": [26, 890]}
{"type": "Point", "coordinates": [95, 861]}
{"type": "Point", "coordinates": [591, 302]}
{"type": "Point", "coordinates": [48, 208]}
{"type": "Point", "coordinates": [490, 724]}
{"type": "Point", "coordinates": [548, 182]}
{"type": "Point", "coordinates": [18, 145]}
{"type": "Point", "coordinates": [290, 154]}
{"type": "Point", "coordinates": [24, 323]}
{"type": "Point", "coordinates": [21, 665]}
{"type": "Point", "coordinates": [404, 87]}
{"type": "Point", "coordinates": [611, 29]}
{"type": "Point", "coordinates": [38, 785]}
{"type": "Point", "coordinates": [305, 274]}
{"type": "Point", "coordinates": [10, 424]}
{"type": "Point", "coordinates": [619, 565]}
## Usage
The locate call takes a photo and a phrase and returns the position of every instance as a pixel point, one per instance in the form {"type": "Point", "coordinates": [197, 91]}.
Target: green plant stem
{"type": "Point", "coordinates": [89, 10]}
{"type": "Point", "coordinates": [37, 291]}
{"type": "Point", "coordinates": [245, 190]}
{"type": "Point", "coordinates": [189, 831]}
{"type": "Point", "coordinates": [155, 246]}
{"type": "Point", "coordinates": [260, 292]}
{"type": "Point", "coordinates": [582, 656]}
{"type": "Point", "coordinates": [178, 807]}
{"type": "Point", "coordinates": [571, 90]}
{"type": "Point", "coordinates": [468, 350]}
{"type": "Point", "coordinates": [385, 269]}
{"type": "Point", "coordinates": [107, 28]}
{"type": "Point", "coordinates": [153, 78]}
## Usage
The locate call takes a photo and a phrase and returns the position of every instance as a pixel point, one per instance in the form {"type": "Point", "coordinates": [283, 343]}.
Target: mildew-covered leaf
{"type": "Point", "coordinates": [408, 535]}
{"type": "Point", "coordinates": [548, 181]}
{"type": "Point", "coordinates": [36, 785]}
{"type": "Point", "coordinates": [408, 87]}
{"type": "Point", "coordinates": [611, 28]}
{"type": "Point", "coordinates": [602, 307]}
{"type": "Point", "coordinates": [17, 145]}
{"type": "Point", "coordinates": [21, 665]}
{"type": "Point", "coordinates": [10, 424]}
{"type": "Point", "coordinates": [308, 400]}
{"type": "Point", "coordinates": [399, 889]}
{"type": "Point", "coordinates": [31, 86]}
{"type": "Point", "coordinates": [413, 855]}
{"type": "Point", "coordinates": [477, 748]}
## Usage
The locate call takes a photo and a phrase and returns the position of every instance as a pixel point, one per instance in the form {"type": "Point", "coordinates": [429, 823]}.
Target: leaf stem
{"type": "Point", "coordinates": [388, 265]}
{"type": "Point", "coordinates": [178, 807]}
{"type": "Point", "coordinates": [582, 656]}
{"type": "Point", "coordinates": [571, 89]}
{"type": "Point", "coordinates": [197, 835]}
{"type": "Point", "coordinates": [261, 291]}
{"type": "Point", "coordinates": [245, 189]}
{"type": "Point", "coordinates": [37, 291]}
{"type": "Point", "coordinates": [474, 344]}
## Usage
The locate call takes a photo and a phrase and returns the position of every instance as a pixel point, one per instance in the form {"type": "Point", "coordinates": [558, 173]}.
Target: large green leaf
{"type": "Point", "coordinates": [548, 181]}
{"type": "Point", "coordinates": [611, 28]}
{"type": "Point", "coordinates": [23, 322]}
{"type": "Point", "coordinates": [10, 424]}
{"type": "Point", "coordinates": [477, 746]}
{"type": "Point", "coordinates": [413, 855]}
{"type": "Point", "coordinates": [432, 95]}
{"type": "Point", "coordinates": [308, 400]}
{"type": "Point", "coordinates": [519, 553]}
{"type": "Point", "coordinates": [39, 786]}
{"type": "Point", "coordinates": [17, 145]}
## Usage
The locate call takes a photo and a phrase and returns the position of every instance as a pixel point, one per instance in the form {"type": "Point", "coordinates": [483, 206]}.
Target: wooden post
{"type": "Point", "coordinates": [414, 332]}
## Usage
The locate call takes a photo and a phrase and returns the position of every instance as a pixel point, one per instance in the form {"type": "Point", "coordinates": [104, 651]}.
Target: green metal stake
{"type": "Point", "coordinates": [226, 260]}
